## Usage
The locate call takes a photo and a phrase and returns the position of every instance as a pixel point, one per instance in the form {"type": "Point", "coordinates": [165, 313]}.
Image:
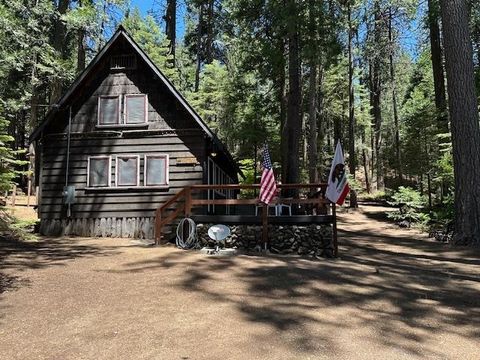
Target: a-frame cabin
{"type": "Point", "coordinates": [118, 144]}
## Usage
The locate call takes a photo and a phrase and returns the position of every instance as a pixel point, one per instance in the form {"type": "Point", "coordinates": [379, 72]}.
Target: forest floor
{"type": "Point", "coordinates": [392, 294]}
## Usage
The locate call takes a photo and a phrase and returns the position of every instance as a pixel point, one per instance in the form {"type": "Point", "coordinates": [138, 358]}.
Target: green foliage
{"type": "Point", "coordinates": [9, 162]}
{"type": "Point", "coordinates": [153, 41]}
{"type": "Point", "coordinates": [248, 169]}
{"type": "Point", "coordinates": [410, 204]}
{"type": "Point", "coordinates": [15, 230]}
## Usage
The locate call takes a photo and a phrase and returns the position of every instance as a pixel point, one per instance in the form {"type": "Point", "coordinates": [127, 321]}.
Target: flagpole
{"type": "Point", "coordinates": [255, 168]}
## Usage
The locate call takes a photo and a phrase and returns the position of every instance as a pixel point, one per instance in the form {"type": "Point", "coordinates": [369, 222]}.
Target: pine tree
{"type": "Point", "coordinates": [463, 107]}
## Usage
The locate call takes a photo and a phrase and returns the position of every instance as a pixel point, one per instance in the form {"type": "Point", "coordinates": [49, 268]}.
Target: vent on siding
{"type": "Point", "coordinates": [123, 62]}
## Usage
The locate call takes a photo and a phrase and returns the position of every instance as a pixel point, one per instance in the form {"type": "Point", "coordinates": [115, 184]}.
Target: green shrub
{"type": "Point", "coordinates": [410, 205]}
{"type": "Point", "coordinates": [14, 229]}
{"type": "Point", "coordinates": [444, 212]}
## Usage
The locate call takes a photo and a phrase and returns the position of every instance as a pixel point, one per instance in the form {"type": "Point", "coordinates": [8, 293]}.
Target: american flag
{"type": "Point", "coordinates": [268, 187]}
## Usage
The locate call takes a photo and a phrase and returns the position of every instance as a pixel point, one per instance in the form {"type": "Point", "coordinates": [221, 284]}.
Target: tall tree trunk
{"type": "Point", "coordinates": [437, 66]}
{"type": "Point", "coordinates": [59, 43]}
{"type": "Point", "coordinates": [464, 119]}
{"type": "Point", "coordinates": [282, 100]}
{"type": "Point", "coordinates": [365, 165]}
{"type": "Point", "coordinates": [81, 46]}
{"type": "Point", "coordinates": [171, 26]}
{"type": "Point", "coordinates": [312, 126]}
{"type": "Point", "coordinates": [81, 50]}
{"type": "Point", "coordinates": [210, 32]}
{"type": "Point", "coordinates": [312, 98]}
{"type": "Point", "coordinates": [35, 97]}
{"type": "Point", "coordinates": [351, 107]}
{"type": "Point", "coordinates": [398, 155]}
{"type": "Point", "coordinates": [372, 130]}
{"type": "Point", "coordinates": [294, 122]}
{"type": "Point", "coordinates": [320, 124]}
{"type": "Point", "coordinates": [199, 46]}
{"type": "Point", "coordinates": [377, 109]}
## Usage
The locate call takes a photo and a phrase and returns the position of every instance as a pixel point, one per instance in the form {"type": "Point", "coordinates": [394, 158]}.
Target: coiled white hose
{"type": "Point", "coordinates": [191, 241]}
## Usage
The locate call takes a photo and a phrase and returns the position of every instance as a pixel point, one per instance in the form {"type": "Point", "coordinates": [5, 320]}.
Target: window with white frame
{"type": "Point", "coordinates": [118, 110]}
{"type": "Point", "coordinates": [99, 171]}
{"type": "Point", "coordinates": [108, 110]}
{"type": "Point", "coordinates": [135, 108]}
{"type": "Point", "coordinates": [156, 170]}
{"type": "Point", "coordinates": [127, 170]}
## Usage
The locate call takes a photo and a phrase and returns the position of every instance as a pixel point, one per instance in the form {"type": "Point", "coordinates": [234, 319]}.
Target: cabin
{"type": "Point", "coordinates": [118, 144]}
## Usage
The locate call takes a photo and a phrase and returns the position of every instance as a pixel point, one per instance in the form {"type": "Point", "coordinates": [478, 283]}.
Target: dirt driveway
{"type": "Point", "coordinates": [393, 294]}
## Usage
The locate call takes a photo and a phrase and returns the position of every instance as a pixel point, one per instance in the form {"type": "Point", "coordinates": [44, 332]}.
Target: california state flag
{"type": "Point", "coordinates": [337, 188]}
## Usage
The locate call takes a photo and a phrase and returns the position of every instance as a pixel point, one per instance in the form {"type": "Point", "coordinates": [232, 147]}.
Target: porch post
{"type": "Point", "coordinates": [265, 225]}
{"type": "Point", "coordinates": [158, 226]}
{"type": "Point", "coordinates": [188, 201]}
{"type": "Point", "coordinates": [334, 230]}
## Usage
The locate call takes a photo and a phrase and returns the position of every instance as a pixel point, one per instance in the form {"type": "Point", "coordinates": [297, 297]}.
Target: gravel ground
{"type": "Point", "coordinates": [392, 294]}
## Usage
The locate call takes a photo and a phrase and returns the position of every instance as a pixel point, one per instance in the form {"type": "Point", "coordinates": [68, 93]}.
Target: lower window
{"type": "Point", "coordinates": [99, 171]}
{"type": "Point", "coordinates": [127, 170]}
{"type": "Point", "coordinates": [156, 170]}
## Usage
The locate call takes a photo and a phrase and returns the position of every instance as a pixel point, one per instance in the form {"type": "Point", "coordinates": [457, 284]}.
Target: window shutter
{"type": "Point", "coordinates": [156, 170]}
{"type": "Point", "coordinates": [108, 110]}
{"type": "Point", "coordinates": [135, 106]}
{"type": "Point", "coordinates": [127, 171]}
{"type": "Point", "coordinates": [99, 172]}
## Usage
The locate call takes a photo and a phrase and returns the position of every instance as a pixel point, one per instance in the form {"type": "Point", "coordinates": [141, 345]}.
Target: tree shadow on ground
{"type": "Point", "coordinates": [407, 291]}
{"type": "Point", "coordinates": [19, 256]}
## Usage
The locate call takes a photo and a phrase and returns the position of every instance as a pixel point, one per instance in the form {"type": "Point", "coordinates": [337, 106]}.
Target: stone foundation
{"type": "Point", "coordinates": [315, 240]}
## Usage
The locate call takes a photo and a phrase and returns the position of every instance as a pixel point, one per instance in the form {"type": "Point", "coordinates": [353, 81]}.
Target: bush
{"type": "Point", "coordinates": [410, 205]}
{"type": "Point", "coordinates": [444, 212]}
{"type": "Point", "coordinates": [14, 229]}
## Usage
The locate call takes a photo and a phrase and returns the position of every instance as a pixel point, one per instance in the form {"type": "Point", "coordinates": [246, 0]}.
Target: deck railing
{"type": "Point", "coordinates": [183, 202]}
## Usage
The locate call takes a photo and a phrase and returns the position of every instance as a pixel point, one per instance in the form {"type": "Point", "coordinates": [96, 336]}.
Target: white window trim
{"type": "Point", "coordinates": [117, 173]}
{"type": "Point", "coordinates": [167, 169]}
{"type": "Point", "coordinates": [99, 110]}
{"type": "Point", "coordinates": [145, 104]}
{"type": "Point", "coordinates": [109, 170]}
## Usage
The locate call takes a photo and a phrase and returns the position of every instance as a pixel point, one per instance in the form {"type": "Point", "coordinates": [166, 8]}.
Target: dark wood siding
{"type": "Point", "coordinates": [164, 110]}
{"type": "Point", "coordinates": [116, 202]}
{"type": "Point", "coordinates": [170, 129]}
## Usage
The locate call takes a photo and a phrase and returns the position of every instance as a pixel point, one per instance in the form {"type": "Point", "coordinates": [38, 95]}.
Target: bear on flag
{"type": "Point", "coordinates": [337, 188]}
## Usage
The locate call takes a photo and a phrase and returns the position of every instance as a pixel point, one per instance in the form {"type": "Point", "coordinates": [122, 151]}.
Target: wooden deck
{"type": "Point", "coordinates": [257, 220]}
{"type": "Point", "coordinates": [181, 204]}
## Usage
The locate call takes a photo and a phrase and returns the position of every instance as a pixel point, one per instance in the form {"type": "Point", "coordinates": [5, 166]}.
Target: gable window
{"type": "Point", "coordinates": [127, 170]}
{"type": "Point", "coordinates": [123, 62]}
{"type": "Point", "coordinates": [108, 110]}
{"type": "Point", "coordinates": [136, 109]}
{"type": "Point", "coordinates": [156, 170]}
{"type": "Point", "coordinates": [99, 173]}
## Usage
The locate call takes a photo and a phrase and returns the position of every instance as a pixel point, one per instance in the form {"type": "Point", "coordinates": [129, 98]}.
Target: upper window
{"type": "Point", "coordinates": [127, 170]}
{"type": "Point", "coordinates": [108, 110]}
{"type": "Point", "coordinates": [99, 171]}
{"type": "Point", "coordinates": [156, 170]}
{"type": "Point", "coordinates": [136, 109]}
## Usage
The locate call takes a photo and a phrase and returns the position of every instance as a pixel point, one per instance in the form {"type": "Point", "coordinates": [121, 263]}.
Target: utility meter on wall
{"type": "Point", "coordinates": [69, 194]}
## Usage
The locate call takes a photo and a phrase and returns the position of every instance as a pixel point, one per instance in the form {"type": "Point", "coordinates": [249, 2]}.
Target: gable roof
{"type": "Point", "coordinates": [121, 32]}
